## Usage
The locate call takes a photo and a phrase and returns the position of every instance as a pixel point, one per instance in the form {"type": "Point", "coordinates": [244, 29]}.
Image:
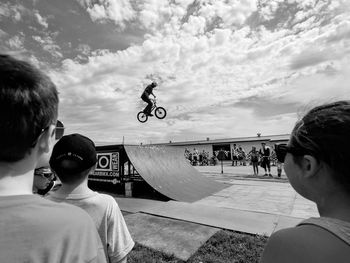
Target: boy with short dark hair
{"type": "Point", "coordinates": [34, 229]}
{"type": "Point", "coordinates": [73, 159]}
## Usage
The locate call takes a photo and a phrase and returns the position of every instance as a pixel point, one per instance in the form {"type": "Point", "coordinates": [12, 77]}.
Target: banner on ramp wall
{"type": "Point", "coordinates": [107, 168]}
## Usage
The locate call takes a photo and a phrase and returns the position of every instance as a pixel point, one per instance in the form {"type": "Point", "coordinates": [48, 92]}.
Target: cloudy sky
{"type": "Point", "coordinates": [225, 68]}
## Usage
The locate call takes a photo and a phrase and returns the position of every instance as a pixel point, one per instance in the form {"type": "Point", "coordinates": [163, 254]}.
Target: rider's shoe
{"type": "Point", "coordinates": [149, 114]}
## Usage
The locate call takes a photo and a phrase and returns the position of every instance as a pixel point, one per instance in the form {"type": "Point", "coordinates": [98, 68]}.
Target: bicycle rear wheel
{"type": "Point", "coordinates": [142, 117]}
{"type": "Point", "coordinates": [160, 112]}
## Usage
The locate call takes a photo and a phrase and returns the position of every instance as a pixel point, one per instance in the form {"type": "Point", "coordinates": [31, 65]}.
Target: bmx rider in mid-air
{"type": "Point", "coordinates": [145, 97]}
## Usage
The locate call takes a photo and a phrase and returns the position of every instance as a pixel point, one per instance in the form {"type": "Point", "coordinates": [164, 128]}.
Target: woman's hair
{"type": "Point", "coordinates": [324, 132]}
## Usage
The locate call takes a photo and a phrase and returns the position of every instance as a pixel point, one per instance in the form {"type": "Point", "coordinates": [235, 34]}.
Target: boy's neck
{"type": "Point", "coordinates": [80, 187]}
{"type": "Point", "coordinates": [17, 178]}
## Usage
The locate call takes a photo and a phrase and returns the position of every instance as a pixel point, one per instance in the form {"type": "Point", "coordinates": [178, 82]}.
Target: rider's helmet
{"type": "Point", "coordinates": [154, 84]}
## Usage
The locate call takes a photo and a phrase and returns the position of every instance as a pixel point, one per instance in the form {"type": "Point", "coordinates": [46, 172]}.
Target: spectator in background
{"type": "Point", "coordinates": [273, 158]}
{"type": "Point", "coordinates": [265, 154]}
{"type": "Point", "coordinates": [190, 158]}
{"type": "Point", "coordinates": [200, 158]}
{"type": "Point", "coordinates": [242, 156]}
{"type": "Point", "coordinates": [205, 156]}
{"type": "Point", "coordinates": [254, 158]}
{"type": "Point", "coordinates": [187, 155]}
{"type": "Point", "coordinates": [279, 164]}
{"type": "Point", "coordinates": [187, 152]}
{"type": "Point", "coordinates": [234, 151]}
{"type": "Point", "coordinates": [279, 169]}
{"type": "Point", "coordinates": [34, 229]}
{"type": "Point", "coordinates": [316, 163]}
{"type": "Point", "coordinates": [195, 156]}
{"type": "Point", "coordinates": [214, 160]}
{"type": "Point", "coordinates": [73, 159]}
{"type": "Point", "coordinates": [43, 181]}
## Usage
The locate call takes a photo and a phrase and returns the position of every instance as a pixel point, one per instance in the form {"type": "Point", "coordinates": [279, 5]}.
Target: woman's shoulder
{"type": "Point", "coordinates": [338, 228]}
{"type": "Point", "coordinates": [305, 243]}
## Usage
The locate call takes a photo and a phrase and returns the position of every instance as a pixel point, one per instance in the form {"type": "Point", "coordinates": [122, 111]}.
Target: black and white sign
{"type": "Point", "coordinates": [107, 162]}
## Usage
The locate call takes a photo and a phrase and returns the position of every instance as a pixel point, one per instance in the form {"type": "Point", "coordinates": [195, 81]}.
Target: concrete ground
{"type": "Point", "coordinates": [250, 204]}
{"type": "Point", "coordinates": [258, 194]}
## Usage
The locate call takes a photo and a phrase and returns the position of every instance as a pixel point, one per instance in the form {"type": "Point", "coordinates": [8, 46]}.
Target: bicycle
{"type": "Point", "coordinates": [159, 112]}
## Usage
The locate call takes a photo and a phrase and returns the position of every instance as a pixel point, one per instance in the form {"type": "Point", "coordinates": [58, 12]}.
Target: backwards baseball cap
{"type": "Point", "coordinates": [73, 154]}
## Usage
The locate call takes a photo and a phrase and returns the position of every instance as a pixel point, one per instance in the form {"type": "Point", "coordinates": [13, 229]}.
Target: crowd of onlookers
{"type": "Point", "coordinates": [240, 157]}
{"type": "Point", "coordinates": [75, 224]}
{"type": "Point", "coordinates": [265, 157]}
{"type": "Point", "coordinates": [198, 158]}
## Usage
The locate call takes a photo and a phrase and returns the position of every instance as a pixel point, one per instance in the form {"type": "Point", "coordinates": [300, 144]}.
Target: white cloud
{"type": "Point", "coordinates": [5, 10]}
{"type": "Point", "coordinates": [49, 45]}
{"type": "Point", "coordinates": [36, 62]}
{"type": "Point", "coordinates": [184, 3]}
{"type": "Point", "coordinates": [84, 49]}
{"type": "Point", "coordinates": [195, 25]}
{"type": "Point", "coordinates": [154, 12]}
{"type": "Point", "coordinates": [16, 42]}
{"type": "Point", "coordinates": [222, 36]}
{"type": "Point", "coordinates": [118, 11]}
{"type": "Point", "coordinates": [268, 8]}
{"type": "Point", "coordinates": [11, 11]}
{"type": "Point", "coordinates": [341, 32]}
{"type": "Point", "coordinates": [41, 20]}
{"type": "Point", "coordinates": [230, 12]}
{"type": "Point", "coordinates": [318, 88]}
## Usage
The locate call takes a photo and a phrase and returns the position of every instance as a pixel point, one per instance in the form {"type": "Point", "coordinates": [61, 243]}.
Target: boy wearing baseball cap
{"type": "Point", "coordinates": [73, 159]}
{"type": "Point", "coordinates": [33, 229]}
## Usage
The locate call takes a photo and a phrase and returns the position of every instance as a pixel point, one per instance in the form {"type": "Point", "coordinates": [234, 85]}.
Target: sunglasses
{"type": "Point", "coordinates": [44, 174]}
{"type": "Point", "coordinates": [282, 149]}
{"type": "Point", "coordinates": [59, 131]}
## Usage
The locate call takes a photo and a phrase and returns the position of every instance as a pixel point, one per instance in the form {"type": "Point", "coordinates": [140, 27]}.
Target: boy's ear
{"type": "Point", "coordinates": [47, 138]}
{"type": "Point", "coordinates": [45, 145]}
{"type": "Point", "coordinates": [310, 166]}
{"type": "Point", "coordinates": [46, 141]}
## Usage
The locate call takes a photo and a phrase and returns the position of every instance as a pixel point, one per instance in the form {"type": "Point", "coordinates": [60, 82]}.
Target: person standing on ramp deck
{"type": "Point", "coordinates": [145, 97]}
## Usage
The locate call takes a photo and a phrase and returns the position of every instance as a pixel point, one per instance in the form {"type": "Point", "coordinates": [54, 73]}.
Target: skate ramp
{"type": "Point", "coordinates": [168, 172]}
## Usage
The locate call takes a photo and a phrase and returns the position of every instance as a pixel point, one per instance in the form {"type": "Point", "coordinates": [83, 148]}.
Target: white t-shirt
{"type": "Point", "coordinates": [108, 218]}
{"type": "Point", "coordinates": [35, 230]}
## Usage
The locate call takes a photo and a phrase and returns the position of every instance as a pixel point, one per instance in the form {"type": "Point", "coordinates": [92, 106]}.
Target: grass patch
{"type": "Point", "coordinates": [223, 247]}
{"type": "Point", "coordinates": [146, 255]}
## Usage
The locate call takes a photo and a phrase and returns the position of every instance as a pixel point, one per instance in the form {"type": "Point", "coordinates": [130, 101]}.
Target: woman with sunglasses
{"type": "Point", "coordinates": [316, 163]}
{"type": "Point", "coordinates": [44, 180]}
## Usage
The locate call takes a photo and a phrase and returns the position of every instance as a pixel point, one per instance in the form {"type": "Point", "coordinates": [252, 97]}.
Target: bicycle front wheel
{"type": "Point", "coordinates": [160, 112]}
{"type": "Point", "coordinates": [142, 117]}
